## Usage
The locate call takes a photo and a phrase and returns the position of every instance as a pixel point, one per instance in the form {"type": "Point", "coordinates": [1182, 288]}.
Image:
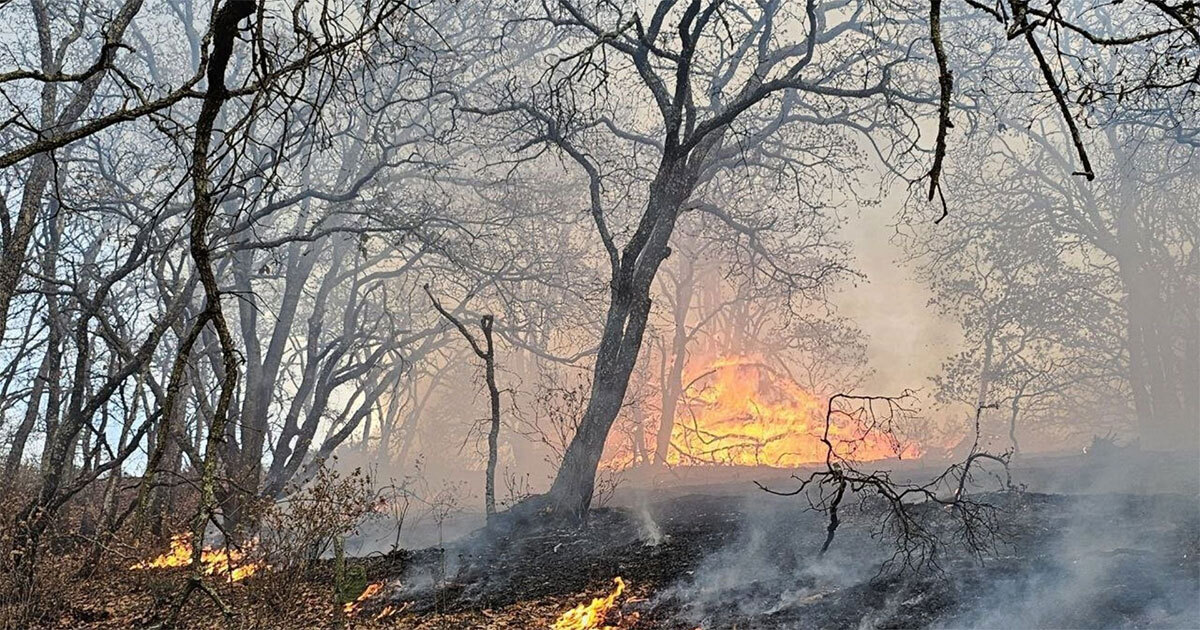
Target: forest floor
{"type": "Point", "coordinates": [724, 556]}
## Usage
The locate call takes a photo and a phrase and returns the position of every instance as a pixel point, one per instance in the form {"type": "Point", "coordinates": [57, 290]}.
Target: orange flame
{"type": "Point", "coordinates": [227, 562]}
{"type": "Point", "coordinates": [737, 410]}
{"type": "Point", "coordinates": [352, 607]}
{"type": "Point", "coordinates": [385, 613]}
{"type": "Point", "coordinates": [591, 616]}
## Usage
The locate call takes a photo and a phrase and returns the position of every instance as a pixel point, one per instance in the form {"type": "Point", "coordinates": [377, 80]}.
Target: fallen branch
{"type": "Point", "coordinates": [907, 519]}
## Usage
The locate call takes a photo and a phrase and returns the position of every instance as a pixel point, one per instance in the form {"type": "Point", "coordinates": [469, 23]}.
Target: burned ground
{"type": "Point", "coordinates": [731, 556]}
{"type": "Point", "coordinates": [1051, 569]}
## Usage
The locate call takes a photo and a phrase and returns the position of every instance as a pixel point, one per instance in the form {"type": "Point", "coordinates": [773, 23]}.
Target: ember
{"type": "Point", "coordinates": [224, 562]}
{"type": "Point", "coordinates": [591, 616]}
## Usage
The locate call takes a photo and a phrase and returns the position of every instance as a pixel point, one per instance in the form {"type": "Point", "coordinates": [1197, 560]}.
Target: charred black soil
{"type": "Point", "coordinates": [748, 560]}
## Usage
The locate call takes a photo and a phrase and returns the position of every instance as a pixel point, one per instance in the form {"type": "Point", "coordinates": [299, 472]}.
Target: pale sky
{"type": "Point", "coordinates": [908, 340]}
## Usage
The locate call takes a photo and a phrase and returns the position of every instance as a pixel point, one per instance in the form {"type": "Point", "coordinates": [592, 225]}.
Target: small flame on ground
{"type": "Point", "coordinates": [224, 562]}
{"type": "Point", "coordinates": [591, 616]}
{"type": "Point", "coordinates": [352, 607]}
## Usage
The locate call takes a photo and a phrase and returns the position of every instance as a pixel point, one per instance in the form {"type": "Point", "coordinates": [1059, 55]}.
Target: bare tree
{"type": "Point", "coordinates": [111, 269]}
{"type": "Point", "coordinates": [487, 352]}
{"type": "Point", "coordinates": [728, 88]}
{"type": "Point", "coordinates": [1032, 257]}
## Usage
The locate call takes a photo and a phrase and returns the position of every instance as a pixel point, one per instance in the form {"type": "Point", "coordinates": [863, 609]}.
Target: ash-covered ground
{"type": "Point", "coordinates": [1115, 545]}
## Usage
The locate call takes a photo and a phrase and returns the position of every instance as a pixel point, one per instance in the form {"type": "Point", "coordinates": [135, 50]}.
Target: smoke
{"type": "Point", "coordinates": [648, 530]}
{"type": "Point", "coordinates": [770, 568]}
{"type": "Point", "coordinates": [1118, 554]}
{"type": "Point", "coordinates": [1114, 553]}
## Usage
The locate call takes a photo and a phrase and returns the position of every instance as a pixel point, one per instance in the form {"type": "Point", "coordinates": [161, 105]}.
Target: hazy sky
{"type": "Point", "coordinates": [908, 340]}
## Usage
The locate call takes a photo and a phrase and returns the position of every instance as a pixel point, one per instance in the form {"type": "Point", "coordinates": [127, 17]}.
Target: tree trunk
{"type": "Point", "coordinates": [629, 308]}
{"type": "Point", "coordinates": [47, 375]}
{"type": "Point", "coordinates": [672, 388]}
{"type": "Point", "coordinates": [487, 352]}
{"type": "Point", "coordinates": [224, 34]}
{"type": "Point", "coordinates": [494, 430]}
{"type": "Point", "coordinates": [1012, 422]}
{"type": "Point", "coordinates": [571, 492]}
{"type": "Point", "coordinates": [162, 496]}
{"type": "Point", "coordinates": [12, 260]}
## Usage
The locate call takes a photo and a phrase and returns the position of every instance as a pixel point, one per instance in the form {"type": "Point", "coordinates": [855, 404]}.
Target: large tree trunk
{"type": "Point", "coordinates": [629, 307]}
{"type": "Point", "coordinates": [571, 493]}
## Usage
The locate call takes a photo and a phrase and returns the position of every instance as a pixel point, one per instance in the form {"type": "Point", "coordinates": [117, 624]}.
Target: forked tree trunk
{"type": "Point", "coordinates": [224, 35]}
{"type": "Point", "coordinates": [629, 307]}
{"type": "Point", "coordinates": [487, 352]}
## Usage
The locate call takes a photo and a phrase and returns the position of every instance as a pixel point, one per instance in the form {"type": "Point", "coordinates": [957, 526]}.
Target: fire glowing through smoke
{"type": "Point", "coordinates": [221, 562]}
{"type": "Point", "coordinates": [591, 616]}
{"type": "Point", "coordinates": [737, 410]}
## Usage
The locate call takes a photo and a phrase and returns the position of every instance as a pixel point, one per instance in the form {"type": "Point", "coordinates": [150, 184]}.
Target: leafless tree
{"type": "Point", "coordinates": [110, 268]}
{"type": "Point", "coordinates": [1035, 253]}
{"type": "Point", "coordinates": [487, 352]}
{"type": "Point", "coordinates": [729, 88]}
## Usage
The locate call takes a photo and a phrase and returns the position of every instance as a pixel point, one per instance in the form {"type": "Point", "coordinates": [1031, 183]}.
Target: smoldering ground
{"type": "Point", "coordinates": [1109, 554]}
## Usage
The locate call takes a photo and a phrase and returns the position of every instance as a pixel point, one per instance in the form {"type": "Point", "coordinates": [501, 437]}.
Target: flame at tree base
{"type": "Point", "coordinates": [223, 562]}
{"type": "Point", "coordinates": [591, 616]}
